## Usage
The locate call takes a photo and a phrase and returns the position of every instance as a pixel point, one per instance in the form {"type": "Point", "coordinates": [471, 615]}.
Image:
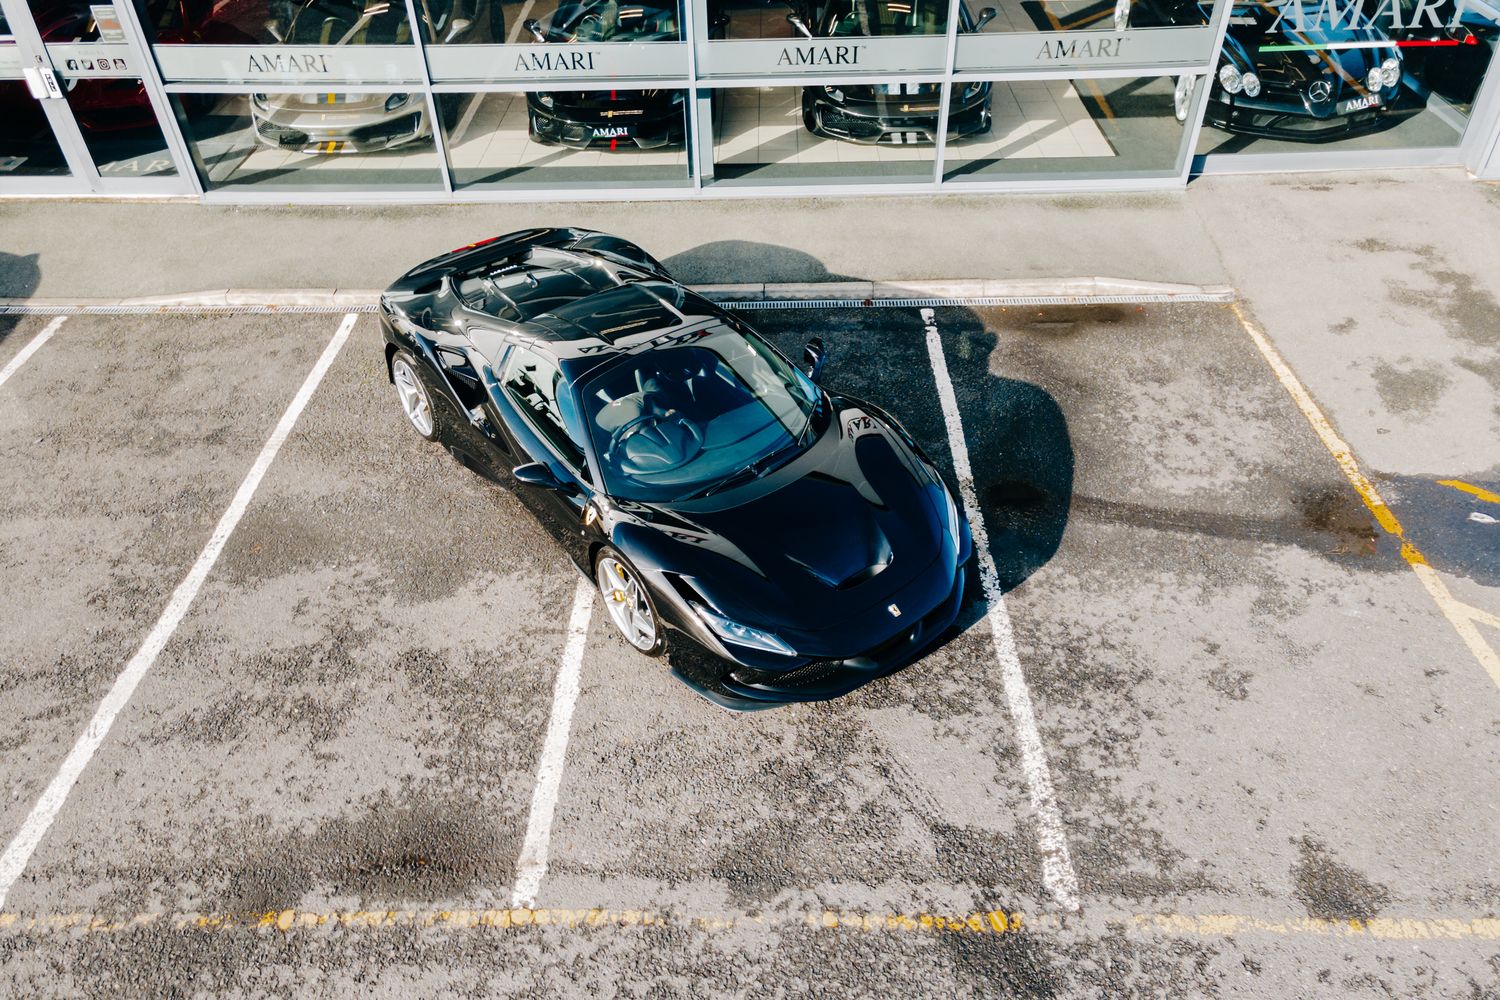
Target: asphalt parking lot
{"type": "Point", "coordinates": [1270, 753]}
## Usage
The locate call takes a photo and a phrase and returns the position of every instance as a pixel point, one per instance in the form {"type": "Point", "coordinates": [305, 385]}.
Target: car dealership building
{"type": "Point", "coordinates": [487, 100]}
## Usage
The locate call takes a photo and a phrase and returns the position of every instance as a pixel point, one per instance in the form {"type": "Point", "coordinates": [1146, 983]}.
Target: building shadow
{"type": "Point", "coordinates": [20, 276]}
{"type": "Point", "coordinates": [748, 262]}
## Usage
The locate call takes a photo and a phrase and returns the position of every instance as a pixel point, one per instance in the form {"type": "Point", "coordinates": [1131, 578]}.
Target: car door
{"type": "Point", "coordinates": [525, 400]}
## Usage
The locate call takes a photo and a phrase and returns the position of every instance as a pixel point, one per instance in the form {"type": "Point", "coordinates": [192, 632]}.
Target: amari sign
{"type": "Point", "coordinates": [1140, 49]}
{"type": "Point", "coordinates": [1330, 15]}
{"type": "Point", "coordinates": [273, 64]}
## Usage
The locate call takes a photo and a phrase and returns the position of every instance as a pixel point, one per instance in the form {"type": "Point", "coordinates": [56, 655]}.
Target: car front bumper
{"type": "Point", "coordinates": [335, 131]}
{"type": "Point", "coordinates": [1281, 120]}
{"type": "Point", "coordinates": [870, 123]}
{"type": "Point", "coordinates": [608, 127]}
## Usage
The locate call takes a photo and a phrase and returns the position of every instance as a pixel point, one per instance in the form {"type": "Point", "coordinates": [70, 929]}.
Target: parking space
{"type": "Point", "coordinates": [1249, 705]}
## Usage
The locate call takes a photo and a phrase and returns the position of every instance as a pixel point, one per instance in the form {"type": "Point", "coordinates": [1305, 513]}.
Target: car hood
{"type": "Point", "coordinates": [845, 527]}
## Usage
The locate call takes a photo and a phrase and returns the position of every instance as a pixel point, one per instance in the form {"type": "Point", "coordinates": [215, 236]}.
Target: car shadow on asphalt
{"type": "Point", "coordinates": [20, 276]}
{"type": "Point", "coordinates": [1019, 447]}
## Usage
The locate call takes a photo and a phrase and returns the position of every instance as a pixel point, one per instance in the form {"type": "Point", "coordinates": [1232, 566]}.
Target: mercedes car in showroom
{"type": "Point", "coordinates": [720, 498]}
{"type": "Point", "coordinates": [896, 113]}
{"type": "Point", "coordinates": [615, 119]}
{"type": "Point", "coordinates": [1280, 77]}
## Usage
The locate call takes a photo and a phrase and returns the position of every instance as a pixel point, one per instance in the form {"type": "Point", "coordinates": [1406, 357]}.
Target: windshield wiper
{"type": "Point", "coordinates": [751, 472]}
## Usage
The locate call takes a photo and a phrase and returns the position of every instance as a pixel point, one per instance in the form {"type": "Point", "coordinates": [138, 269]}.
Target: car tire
{"type": "Point", "coordinates": [810, 119]}
{"type": "Point", "coordinates": [497, 21]}
{"type": "Point", "coordinates": [1182, 97]}
{"type": "Point", "coordinates": [414, 396]}
{"type": "Point", "coordinates": [627, 599]}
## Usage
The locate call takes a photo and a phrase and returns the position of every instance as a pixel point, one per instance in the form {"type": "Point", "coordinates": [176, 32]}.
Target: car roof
{"type": "Point", "coordinates": [576, 307]}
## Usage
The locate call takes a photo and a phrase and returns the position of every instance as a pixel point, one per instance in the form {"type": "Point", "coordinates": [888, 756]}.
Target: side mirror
{"type": "Point", "coordinates": [985, 17]}
{"type": "Point", "coordinates": [795, 20]}
{"type": "Point", "coordinates": [537, 474]}
{"type": "Point", "coordinates": [814, 355]}
{"type": "Point", "coordinates": [458, 27]}
{"type": "Point", "coordinates": [534, 27]}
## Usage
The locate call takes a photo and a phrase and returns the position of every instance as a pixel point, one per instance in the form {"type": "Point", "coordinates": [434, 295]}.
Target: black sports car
{"type": "Point", "coordinates": [1306, 88]}
{"type": "Point", "coordinates": [711, 489]}
{"type": "Point", "coordinates": [642, 119]}
{"type": "Point", "coordinates": [897, 112]}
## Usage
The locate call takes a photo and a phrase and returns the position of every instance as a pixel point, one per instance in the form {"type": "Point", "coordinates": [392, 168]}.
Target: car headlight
{"type": "Point", "coordinates": [1230, 79]}
{"type": "Point", "coordinates": [1373, 80]}
{"type": "Point", "coordinates": [835, 93]}
{"type": "Point", "coordinates": [741, 635]}
{"type": "Point", "coordinates": [395, 101]}
{"type": "Point", "coordinates": [952, 516]}
{"type": "Point", "coordinates": [259, 100]}
{"type": "Point", "coordinates": [1251, 83]}
{"type": "Point", "coordinates": [972, 91]}
{"type": "Point", "coordinates": [1390, 71]}
{"type": "Point", "coordinates": [545, 100]}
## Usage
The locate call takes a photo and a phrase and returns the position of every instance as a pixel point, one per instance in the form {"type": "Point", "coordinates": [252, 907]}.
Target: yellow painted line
{"type": "Point", "coordinates": [1459, 615]}
{"type": "Point", "coordinates": [1471, 489]}
{"type": "Point", "coordinates": [980, 923]}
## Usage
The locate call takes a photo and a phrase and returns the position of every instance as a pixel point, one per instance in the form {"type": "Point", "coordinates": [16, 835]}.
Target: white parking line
{"type": "Point", "coordinates": [30, 349]}
{"type": "Point", "coordinates": [532, 864]}
{"type": "Point", "coordinates": [1057, 863]}
{"type": "Point", "coordinates": [13, 862]}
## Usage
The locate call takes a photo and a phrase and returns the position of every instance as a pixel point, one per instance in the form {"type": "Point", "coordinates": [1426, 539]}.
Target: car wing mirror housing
{"type": "Point", "coordinates": [985, 17]}
{"type": "Point", "coordinates": [537, 474]}
{"type": "Point", "coordinates": [795, 20]}
{"type": "Point", "coordinates": [814, 356]}
{"type": "Point", "coordinates": [534, 28]}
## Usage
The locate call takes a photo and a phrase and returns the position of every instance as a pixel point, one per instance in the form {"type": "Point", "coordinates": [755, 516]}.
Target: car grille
{"type": "Point", "coordinates": [405, 125]}
{"type": "Point", "coordinates": [280, 134]}
{"type": "Point", "coordinates": [813, 674]}
{"type": "Point", "coordinates": [858, 128]}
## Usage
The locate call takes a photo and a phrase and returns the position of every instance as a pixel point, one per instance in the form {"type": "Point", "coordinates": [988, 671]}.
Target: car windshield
{"type": "Point", "coordinates": [609, 21]}
{"type": "Point", "coordinates": [678, 422]}
{"type": "Point", "coordinates": [886, 17]}
{"type": "Point", "coordinates": [341, 22]}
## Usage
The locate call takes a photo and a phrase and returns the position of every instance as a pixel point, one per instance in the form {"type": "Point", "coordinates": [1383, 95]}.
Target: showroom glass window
{"type": "Point", "coordinates": [565, 94]}
{"type": "Point", "coordinates": [1301, 77]}
{"type": "Point", "coordinates": [328, 94]}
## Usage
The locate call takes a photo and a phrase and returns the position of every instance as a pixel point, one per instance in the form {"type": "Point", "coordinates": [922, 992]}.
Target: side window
{"type": "Point", "coordinates": [533, 383]}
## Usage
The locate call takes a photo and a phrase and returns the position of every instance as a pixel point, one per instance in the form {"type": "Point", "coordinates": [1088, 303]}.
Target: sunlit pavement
{"type": "Point", "coordinates": [1270, 751]}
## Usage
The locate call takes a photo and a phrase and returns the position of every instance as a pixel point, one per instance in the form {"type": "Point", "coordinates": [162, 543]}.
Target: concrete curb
{"type": "Point", "coordinates": [1018, 291]}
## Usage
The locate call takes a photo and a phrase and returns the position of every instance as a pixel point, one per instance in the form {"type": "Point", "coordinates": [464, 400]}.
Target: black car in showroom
{"type": "Point", "coordinates": [717, 495]}
{"type": "Point", "coordinates": [1320, 90]}
{"type": "Point", "coordinates": [899, 113]}
{"type": "Point", "coordinates": [631, 119]}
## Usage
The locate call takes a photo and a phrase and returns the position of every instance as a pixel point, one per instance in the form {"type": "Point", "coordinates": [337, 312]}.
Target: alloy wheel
{"type": "Point", "coordinates": [413, 396]}
{"type": "Point", "coordinates": [1182, 97]}
{"type": "Point", "coordinates": [625, 597]}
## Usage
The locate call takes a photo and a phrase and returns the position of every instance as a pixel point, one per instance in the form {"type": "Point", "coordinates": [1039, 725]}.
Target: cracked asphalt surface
{"type": "Point", "coordinates": [1250, 705]}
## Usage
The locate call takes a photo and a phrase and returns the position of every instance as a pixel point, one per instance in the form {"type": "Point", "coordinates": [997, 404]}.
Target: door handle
{"type": "Point", "coordinates": [42, 83]}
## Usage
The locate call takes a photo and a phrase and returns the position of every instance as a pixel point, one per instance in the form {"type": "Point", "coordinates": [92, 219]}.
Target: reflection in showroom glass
{"type": "Point", "coordinates": [1400, 73]}
{"type": "Point", "coordinates": [27, 146]}
{"type": "Point", "coordinates": [1057, 128]}
{"type": "Point", "coordinates": [285, 22]}
{"type": "Point", "coordinates": [783, 133]}
{"type": "Point", "coordinates": [336, 141]}
{"type": "Point", "coordinates": [578, 137]}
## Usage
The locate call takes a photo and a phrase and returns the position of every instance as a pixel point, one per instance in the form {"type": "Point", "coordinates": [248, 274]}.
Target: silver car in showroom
{"type": "Point", "coordinates": [334, 122]}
